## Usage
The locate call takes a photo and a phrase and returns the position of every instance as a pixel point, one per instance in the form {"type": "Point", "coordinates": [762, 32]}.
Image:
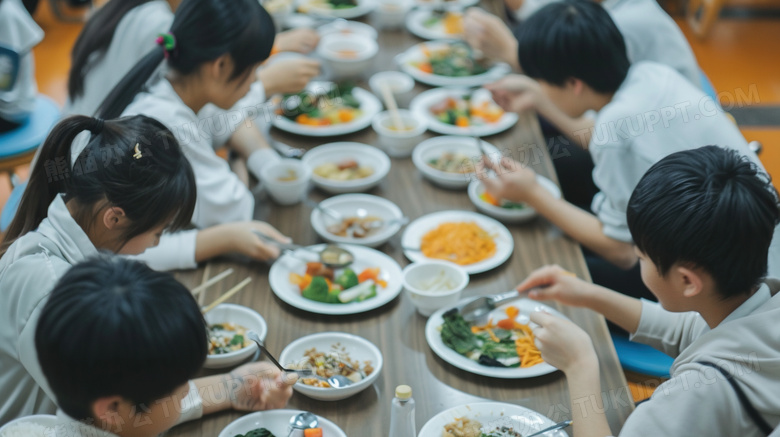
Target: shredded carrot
{"type": "Point", "coordinates": [492, 335]}
{"type": "Point", "coordinates": [425, 68]}
{"type": "Point", "coordinates": [460, 242]}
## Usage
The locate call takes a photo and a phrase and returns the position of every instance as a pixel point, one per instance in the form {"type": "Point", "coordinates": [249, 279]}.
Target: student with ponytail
{"type": "Point", "coordinates": [122, 32]}
{"type": "Point", "coordinates": [98, 186]}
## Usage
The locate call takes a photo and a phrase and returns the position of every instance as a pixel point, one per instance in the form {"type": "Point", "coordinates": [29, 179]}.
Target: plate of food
{"type": "Point", "coordinates": [449, 63]}
{"type": "Point", "coordinates": [373, 280]}
{"type": "Point", "coordinates": [228, 324]}
{"type": "Point", "coordinates": [347, 167]}
{"type": "Point", "coordinates": [458, 111]}
{"type": "Point", "coordinates": [505, 210]}
{"type": "Point", "coordinates": [501, 348]}
{"type": "Point", "coordinates": [363, 220]}
{"type": "Point", "coordinates": [329, 354]}
{"type": "Point", "coordinates": [450, 161]}
{"type": "Point", "coordinates": [275, 423]}
{"type": "Point", "coordinates": [435, 24]}
{"type": "Point", "coordinates": [488, 419]}
{"type": "Point", "coordinates": [326, 109]}
{"type": "Point", "coordinates": [336, 8]}
{"type": "Point", "coordinates": [473, 241]}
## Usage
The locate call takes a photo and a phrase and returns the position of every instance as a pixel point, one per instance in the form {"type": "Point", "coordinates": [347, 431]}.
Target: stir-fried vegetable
{"type": "Point", "coordinates": [454, 60]}
{"type": "Point", "coordinates": [335, 106]}
{"type": "Point", "coordinates": [318, 284]}
{"type": "Point", "coordinates": [506, 204]}
{"type": "Point", "coordinates": [259, 432]}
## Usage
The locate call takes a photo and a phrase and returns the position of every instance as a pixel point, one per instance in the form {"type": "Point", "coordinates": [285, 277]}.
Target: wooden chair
{"type": "Point", "coordinates": [702, 14]}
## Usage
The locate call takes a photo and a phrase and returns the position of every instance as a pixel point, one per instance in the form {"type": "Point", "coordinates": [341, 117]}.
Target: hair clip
{"type": "Point", "coordinates": [167, 41]}
{"type": "Point", "coordinates": [137, 154]}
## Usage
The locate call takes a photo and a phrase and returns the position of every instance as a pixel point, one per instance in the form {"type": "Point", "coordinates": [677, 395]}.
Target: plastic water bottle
{"type": "Point", "coordinates": [402, 415]}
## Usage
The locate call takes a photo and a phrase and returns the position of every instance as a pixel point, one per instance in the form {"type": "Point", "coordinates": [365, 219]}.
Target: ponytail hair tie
{"type": "Point", "coordinates": [168, 42]}
{"type": "Point", "coordinates": [97, 126]}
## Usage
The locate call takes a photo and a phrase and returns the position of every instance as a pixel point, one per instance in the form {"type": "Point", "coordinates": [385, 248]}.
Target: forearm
{"type": "Point", "coordinates": [212, 242]}
{"type": "Point", "coordinates": [215, 393]}
{"type": "Point", "coordinates": [577, 130]}
{"type": "Point", "coordinates": [622, 310]}
{"type": "Point", "coordinates": [582, 226]}
{"type": "Point", "coordinates": [247, 139]}
{"type": "Point", "coordinates": [587, 410]}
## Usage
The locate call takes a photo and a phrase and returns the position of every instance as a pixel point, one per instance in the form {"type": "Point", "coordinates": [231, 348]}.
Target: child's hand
{"type": "Point", "coordinates": [513, 181]}
{"type": "Point", "coordinates": [288, 75]}
{"type": "Point", "coordinates": [243, 240]}
{"type": "Point", "coordinates": [302, 40]}
{"type": "Point", "coordinates": [517, 93]}
{"type": "Point", "coordinates": [559, 285]}
{"type": "Point", "coordinates": [563, 344]}
{"type": "Point", "coordinates": [260, 386]}
{"type": "Point", "coordinates": [487, 33]}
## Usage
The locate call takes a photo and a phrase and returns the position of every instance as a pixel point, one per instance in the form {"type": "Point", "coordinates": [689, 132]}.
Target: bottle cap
{"type": "Point", "coordinates": [403, 392]}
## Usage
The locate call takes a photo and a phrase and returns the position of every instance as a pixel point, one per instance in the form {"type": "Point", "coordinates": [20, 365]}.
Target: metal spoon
{"type": "Point", "coordinates": [476, 310]}
{"type": "Point", "coordinates": [557, 426]}
{"type": "Point", "coordinates": [252, 335]}
{"type": "Point", "coordinates": [339, 381]}
{"type": "Point", "coordinates": [332, 256]}
{"type": "Point", "coordinates": [303, 420]}
{"type": "Point", "coordinates": [329, 212]}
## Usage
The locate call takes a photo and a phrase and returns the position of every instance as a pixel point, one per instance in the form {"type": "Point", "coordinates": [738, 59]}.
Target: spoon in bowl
{"type": "Point", "coordinates": [331, 256]}
{"type": "Point", "coordinates": [303, 420]}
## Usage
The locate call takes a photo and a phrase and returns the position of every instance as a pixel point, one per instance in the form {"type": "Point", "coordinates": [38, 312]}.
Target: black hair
{"type": "Point", "coordinates": [203, 30]}
{"type": "Point", "coordinates": [156, 188]}
{"type": "Point", "coordinates": [711, 208]}
{"type": "Point", "coordinates": [573, 39]}
{"type": "Point", "coordinates": [115, 327]}
{"type": "Point", "coordinates": [95, 38]}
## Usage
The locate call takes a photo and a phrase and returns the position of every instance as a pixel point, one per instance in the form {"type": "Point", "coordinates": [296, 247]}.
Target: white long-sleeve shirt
{"type": "Point", "coordinates": [20, 33]}
{"type": "Point", "coordinates": [653, 114]}
{"type": "Point", "coordinates": [697, 400]}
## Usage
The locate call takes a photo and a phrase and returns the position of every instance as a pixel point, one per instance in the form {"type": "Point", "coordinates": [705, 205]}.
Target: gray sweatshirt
{"type": "Point", "coordinates": [697, 400]}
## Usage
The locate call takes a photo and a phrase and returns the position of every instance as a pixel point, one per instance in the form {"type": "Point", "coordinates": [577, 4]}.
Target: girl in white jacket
{"type": "Point", "coordinates": [110, 186]}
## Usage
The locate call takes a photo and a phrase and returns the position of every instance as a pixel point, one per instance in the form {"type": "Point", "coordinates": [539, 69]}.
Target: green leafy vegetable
{"type": "Point", "coordinates": [317, 290]}
{"type": "Point", "coordinates": [456, 333]}
{"type": "Point", "coordinates": [237, 339]}
{"type": "Point", "coordinates": [259, 432]}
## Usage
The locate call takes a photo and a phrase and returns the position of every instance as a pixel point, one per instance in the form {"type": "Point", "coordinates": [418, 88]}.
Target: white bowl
{"type": "Point", "coordinates": [399, 144]}
{"type": "Point", "coordinates": [240, 315]}
{"type": "Point", "coordinates": [364, 154]}
{"type": "Point", "coordinates": [476, 188]}
{"type": "Point", "coordinates": [349, 28]}
{"type": "Point", "coordinates": [332, 50]}
{"type": "Point", "coordinates": [347, 205]}
{"type": "Point", "coordinates": [358, 348]}
{"type": "Point", "coordinates": [48, 421]}
{"type": "Point", "coordinates": [286, 192]}
{"type": "Point", "coordinates": [435, 147]}
{"type": "Point", "coordinates": [401, 86]}
{"type": "Point", "coordinates": [428, 302]}
{"type": "Point", "coordinates": [391, 14]}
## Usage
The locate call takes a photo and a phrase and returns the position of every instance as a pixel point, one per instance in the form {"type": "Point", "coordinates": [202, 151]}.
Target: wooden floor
{"type": "Point", "coordinates": [739, 56]}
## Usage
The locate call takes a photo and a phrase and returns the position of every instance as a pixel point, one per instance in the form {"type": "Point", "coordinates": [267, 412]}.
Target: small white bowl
{"type": "Point", "coordinates": [240, 315]}
{"type": "Point", "coordinates": [358, 349]}
{"type": "Point", "coordinates": [346, 56]}
{"type": "Point", "coordinates": [434, 147]}
{"type": "Point", "coordinates": [401, 85]}
{"type": "Point", "coordinates": [398, 144]}
{"type": "Point", "coordinates": [476, 188]}
{"type": "Point", "coordinates": [48, 421]}
{"type": "Point", "coordinates": [364, 154]}
{"type": "Point", "coordinates": [391, 14]}
{"type": "Point", "coordinates": [347, 205]}
{"type": "Point", "coordinates": [286, 192]}
{"type": "Point", "coordinates": [348, 28]}
{"type": "Point", "coordinates": [428, 302]}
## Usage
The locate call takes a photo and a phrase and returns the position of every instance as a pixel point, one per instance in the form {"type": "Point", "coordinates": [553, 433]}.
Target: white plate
{"type": "Point", "coordinates": [275, 421]}
{"type": "Point", "coordinates": [347, 205]}
{"type": "Point", "coordinates": [527, 421]}
{"type": "Point", "coordinates": [369, 104]}
{"type": "Point", "coordinates": [526, 307]}
{"type": "Point", "coordinates": [415, 23]}
{"type": "Point", "coordinates": [390, 271]}
{"type": "Point", "coordinates": [420, 107]}
{"type": "Point", "coordinates": [433, 148]}
{"type": "Point", "coordinates": [476, 188]}
{"type": "Point", "coordinates": [460, 4]}
{"type": "Point", "coordinates": [415, 54]}
{"type": "Point", "coordinates": [357, 348]}
{"type": "Point", "coordinates": [363, 7]}
{"type": "Point", "coordinates": [504, 242]}
{"type": "Point", "coordinates": [364, 154]}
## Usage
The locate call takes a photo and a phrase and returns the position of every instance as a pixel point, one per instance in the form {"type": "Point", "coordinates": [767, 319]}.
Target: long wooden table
{"type": "Point", "coordinates": [396, 328]}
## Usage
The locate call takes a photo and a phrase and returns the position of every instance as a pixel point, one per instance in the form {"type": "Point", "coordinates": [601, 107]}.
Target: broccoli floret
{"type": "Point", "coordinates": [317, 290]}
{"type": "Point", "coordinates": [347, 279]}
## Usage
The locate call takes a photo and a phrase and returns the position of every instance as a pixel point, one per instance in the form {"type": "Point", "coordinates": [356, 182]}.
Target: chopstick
{"type": "Point", "coordinates": [227, 295]}
{"type": "Point", "coordinates": [392, 106]}
{"type": "Point", "coordinates": [197, 290]}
